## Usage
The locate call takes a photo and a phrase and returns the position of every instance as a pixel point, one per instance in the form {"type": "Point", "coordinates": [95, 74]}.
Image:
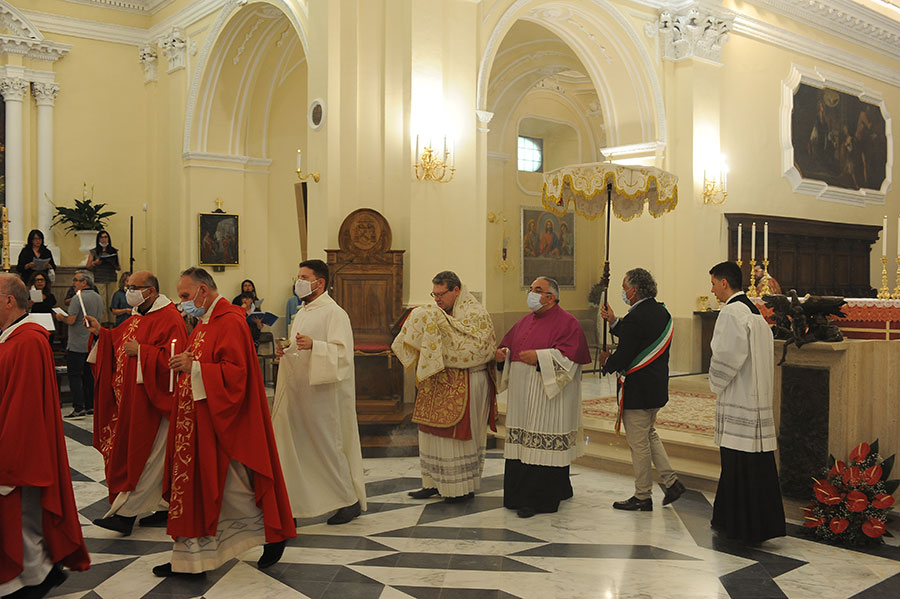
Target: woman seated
{"type": "Point", "coordinates": [247, 286]}
{"type": "Point", "coordinates": [255, 323]}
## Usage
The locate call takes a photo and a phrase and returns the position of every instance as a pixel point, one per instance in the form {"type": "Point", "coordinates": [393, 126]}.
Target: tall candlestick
{"type": "Point", "coordinates": [298, 160]}
{"type": "Point", "coordinates": [172, 346]}
{"type": "Point", "coordinates": [898, 237]}
{"type": "Point", "coordinates": [740, 230]}
{"type": "Point", "coordinates": [753, 242]}
{"type": "Point", "coordinates": [765, 241]}
{"type": "Point", "coordinates": [884, 237]}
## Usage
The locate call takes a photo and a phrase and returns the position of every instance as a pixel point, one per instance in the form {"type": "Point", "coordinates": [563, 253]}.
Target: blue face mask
{"type": "Point", "coordinates": [625, 298]}
{"type": "Point", "coordinates": [189, 308]}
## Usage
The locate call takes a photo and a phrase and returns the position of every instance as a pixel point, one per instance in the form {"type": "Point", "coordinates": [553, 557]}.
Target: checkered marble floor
{"type": "Point", "coordinates": [403, 548]}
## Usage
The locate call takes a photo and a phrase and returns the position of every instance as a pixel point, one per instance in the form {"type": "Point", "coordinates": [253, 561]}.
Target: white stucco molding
{"type": "Point", "coordinates": [820, 78]}
{"type": "Point", "coordinates": [149, 59]}
{"type": "Point", "coordinates": [652, 149]}
{"type": "Point", "coordinates": [44, 93]}
{"type": "Point", "coordinates": [226, 162]}
{"type": "Point", "coordinates": [174, 46]}
{"type": "Point", "coordinates": [25, 39]}
{"type": "Point", "coordinates": [695, 31]}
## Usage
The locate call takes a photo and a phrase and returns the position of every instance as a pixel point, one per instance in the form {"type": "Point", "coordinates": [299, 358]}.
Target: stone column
{"type": "Point", "coordinates": [45, 96]}
{"type": "Point", "coordinates": [13, 90]}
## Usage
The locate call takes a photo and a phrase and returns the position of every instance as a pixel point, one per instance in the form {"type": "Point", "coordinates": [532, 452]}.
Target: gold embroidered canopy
{"type": "Point", "coordinates": [584, 187]}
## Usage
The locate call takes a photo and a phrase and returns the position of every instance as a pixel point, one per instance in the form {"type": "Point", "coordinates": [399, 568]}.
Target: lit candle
{"type": "Point", "coordinates": [298, 160]}
{"type": "Point", "coordinates": [765, 241]}
{"type": "Point", "coordinates": [884, 237]}
{"type": "Point", "coordinates": [753, 242]}
{"type": "Point", "coordinates": [740, 230]}
{"type": "Point", "coordinates": [172, 346]}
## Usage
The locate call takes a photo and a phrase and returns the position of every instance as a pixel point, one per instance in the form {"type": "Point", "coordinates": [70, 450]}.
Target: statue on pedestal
{"type": "Point", "coordinates": [801, 322]}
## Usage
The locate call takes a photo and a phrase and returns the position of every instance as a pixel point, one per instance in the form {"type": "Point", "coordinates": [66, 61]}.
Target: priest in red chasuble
{"type": "Point", "coordinates": [451, 345]}
{"type": "Point", "coordinates": [133, 401]}
{"type": "Point", "coordinates": [39, 527]}
{"type": "Point", "coordinates": [223, 477]}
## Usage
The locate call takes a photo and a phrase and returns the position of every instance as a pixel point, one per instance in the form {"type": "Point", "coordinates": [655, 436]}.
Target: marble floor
{"type": "Point", "coordinates": [403, 548]}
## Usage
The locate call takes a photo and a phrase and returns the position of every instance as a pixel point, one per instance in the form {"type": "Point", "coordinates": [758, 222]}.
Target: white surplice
{"type": "Point", "coordinates": [314, 416]}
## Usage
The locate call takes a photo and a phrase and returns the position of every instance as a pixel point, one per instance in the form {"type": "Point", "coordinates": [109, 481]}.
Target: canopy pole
{"type": "Point", "coordinates": [605, 280]}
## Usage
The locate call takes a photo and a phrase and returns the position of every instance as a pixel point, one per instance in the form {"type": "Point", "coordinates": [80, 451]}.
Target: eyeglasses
{"type": "Point", "coordinates": [78, 280]}
{"type": "Point", "coordinates": [439, 295]}
{"type": "Point", "coordinates": [136, 287]}
{"type": "Point", "coordinates": [541, 291]}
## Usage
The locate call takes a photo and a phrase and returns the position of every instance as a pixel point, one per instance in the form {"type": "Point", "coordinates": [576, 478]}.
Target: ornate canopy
{"type": "Point", "coordinates": [584, 187]}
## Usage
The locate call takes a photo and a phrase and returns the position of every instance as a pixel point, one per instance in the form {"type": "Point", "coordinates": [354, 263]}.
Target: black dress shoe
{"type": "Point", "coordinates": [54, 578]}
{"type": "Point", "coordinates": [155, 519]}
{"type": "Point", "coordinates": [164, 570]}
{"type": "Point", "coordinates": [272, 552]}
{"type": "Point", "coordinates": [423, 493]}
{"type": "Point", "coordinates": [460, 498]}
{"type": "Point", "coordinates": [633, 504]}
{"type": "Point", "coordinates": [526, 512]}
{"type": "Point", "coordinates": [673, 492]}
{"type": "Point", "coordinates": [346, 514]}
{"type": "Point", "coordinates": [116, 523]}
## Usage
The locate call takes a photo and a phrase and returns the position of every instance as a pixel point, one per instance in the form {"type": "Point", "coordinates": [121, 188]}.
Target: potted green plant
{"type": "Point", "coordinates": [85, 220]}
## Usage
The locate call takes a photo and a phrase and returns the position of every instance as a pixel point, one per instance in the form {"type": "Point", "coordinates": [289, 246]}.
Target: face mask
{"type": "Point", "coordinates": [134, 297]}
{"type": "Point", "coordinates": [625, 298]}
{"type": "Point", "coordinates": [103, 245]}
{"type": "Point", "coordinates": [302, 288]}
{"type": "Point", "coordinates": [191, 309]}
{"type": "Point", "coordinates": [534, 301]}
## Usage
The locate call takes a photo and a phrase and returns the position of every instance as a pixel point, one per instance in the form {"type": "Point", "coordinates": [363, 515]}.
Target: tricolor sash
{"type": "Point", "coordinates": [650, 354]}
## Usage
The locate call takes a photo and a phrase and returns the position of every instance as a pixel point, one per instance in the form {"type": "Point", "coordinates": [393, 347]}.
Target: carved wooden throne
{"type": "Point", "coordinates": [367, 282]}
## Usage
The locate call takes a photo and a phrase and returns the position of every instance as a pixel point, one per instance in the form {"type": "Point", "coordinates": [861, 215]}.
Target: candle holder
{"type": "Point", "coordinates": [884, 292]}
{"type": "Point", "coordinates": [315, 176]}
{"type": "Point", "coordinates": [739, 262]}
{"type": "Point", "coordinates": [896, 294]}
{"type": "Point", "coordinates": [765, 281]}
{"type": "Point", "coordinates": [751, 290]}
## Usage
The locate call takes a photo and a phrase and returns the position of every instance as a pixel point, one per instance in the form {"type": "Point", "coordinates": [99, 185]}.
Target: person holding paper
{"type": "Point", "coordinates": [34, 257]}
{"type": "Point", "coordinates": [314, 415]}
{"type": "Point", "coordinates": [541, 359]}
{"type": "Point", "coordinates": [103, 260]}
{"type": "Point", "coordinates": [39, 526]}
{"type": "Point", "coordinates": [133, 402]}
{"type": "Point", "coordinates": [86, 302]}
{"type": "Point", "coordinates": [254, 322]}
{"type": "Point", "coordinates": [641, 361]}
{"type": "Point", "coordinates": [455, 398]}
{"type": "Point", "coordinates": [40, 300]}
{"type": "Point", "coordinates": [223, 478]}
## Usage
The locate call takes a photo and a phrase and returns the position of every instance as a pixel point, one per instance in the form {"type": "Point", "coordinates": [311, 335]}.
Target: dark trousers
{"type": "Point", "coordinates": [81, 380]}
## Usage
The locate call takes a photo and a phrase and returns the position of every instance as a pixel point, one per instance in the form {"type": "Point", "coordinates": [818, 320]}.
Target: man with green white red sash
{"type": "Point", "coordinates": [641, 361]}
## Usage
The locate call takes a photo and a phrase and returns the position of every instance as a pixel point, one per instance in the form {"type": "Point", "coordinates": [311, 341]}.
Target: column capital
{"type": "Point", "coordinates": [13, 89]}
{"type": "Point", "coordinates": [174, 45]}
{"type": "Point", "coordinates": [694, 31]}
{"type": "Point", "coordinates": [44, 93]}
{"type": "Point", "coordinates": [149, 59]}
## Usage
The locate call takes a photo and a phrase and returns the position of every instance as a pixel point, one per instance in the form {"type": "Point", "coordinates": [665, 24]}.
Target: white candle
{"type": "Point", "coordinates": [753, 242]}
{"type": "Point", "coordinates": [417, 148]}
{"type": "Point", "coordinates": [765, 241]}
{"type": "Point", "coordinates": [172, 346]}
{"type": "Point", "coordinates": [298, 160]}
{"type": "Point", "coordinates": [740, 230]}
{"type": "Point", "coordinates": [884, 237]}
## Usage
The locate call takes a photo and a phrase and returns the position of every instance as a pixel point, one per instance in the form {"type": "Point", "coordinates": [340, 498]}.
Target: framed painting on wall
{"type": "Point", "coordinates": [219, 239]}
{"type": "Point", "coordinates": [548, 246]}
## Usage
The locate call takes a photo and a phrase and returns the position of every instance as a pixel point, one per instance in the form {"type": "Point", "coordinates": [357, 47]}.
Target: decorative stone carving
{"type": "Point", "coordinates": [484, 117]}
{"type": "Point", "coordinates": [696, 31]}
{"type": "Point", "coordinates": [174, 45]}
{"type": "Point", "coordinates": [149, 59]}
{"type": "Point", "coordinates": [13, 89]}
{"type": "Point", "coordinates": [44, 93]}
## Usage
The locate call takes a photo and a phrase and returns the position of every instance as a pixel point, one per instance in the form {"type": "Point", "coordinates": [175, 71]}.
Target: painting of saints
{"type": "Point", "coordinates": [530, 240]}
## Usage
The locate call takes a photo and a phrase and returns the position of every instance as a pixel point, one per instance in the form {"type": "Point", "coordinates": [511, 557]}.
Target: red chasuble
{"type": "Point", "coordinates": [127, 414]}
{"type": "Point", "coordinates": [232, 423]}
{"type": "Point", "coordinates": [33, 452]}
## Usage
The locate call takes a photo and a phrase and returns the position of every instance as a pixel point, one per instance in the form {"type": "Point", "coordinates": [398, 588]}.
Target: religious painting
{"type": "Point", "coordinates": [838, 138]}
{"type": "Point", "coordinates": [219, 239]}
{"type": "Point", "coordinates": [548, 246]}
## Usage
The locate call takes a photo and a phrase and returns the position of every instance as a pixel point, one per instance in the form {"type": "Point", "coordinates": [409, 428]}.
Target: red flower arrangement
{"type": "Point", "coordinates": [851, 502]}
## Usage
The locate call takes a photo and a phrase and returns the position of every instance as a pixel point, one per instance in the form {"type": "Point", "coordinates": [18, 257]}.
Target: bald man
{"type": "Point", "coordinates": [39, 527]}
{"type": "Point", "coordinates": [134, 400]}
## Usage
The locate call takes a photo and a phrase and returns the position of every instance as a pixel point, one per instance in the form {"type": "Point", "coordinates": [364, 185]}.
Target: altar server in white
{"type": "Point", "coordinates": [741, 373]}
{"type": "Point", "coordinates": [314, 416]}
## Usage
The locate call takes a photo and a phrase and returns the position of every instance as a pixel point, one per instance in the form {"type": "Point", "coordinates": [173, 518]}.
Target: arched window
{"type": "Point", "coordinates": [531, 154]}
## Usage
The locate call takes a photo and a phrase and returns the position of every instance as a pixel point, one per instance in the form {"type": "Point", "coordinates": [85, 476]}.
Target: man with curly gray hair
{"type": "Point", "coordinates": [641, 362]}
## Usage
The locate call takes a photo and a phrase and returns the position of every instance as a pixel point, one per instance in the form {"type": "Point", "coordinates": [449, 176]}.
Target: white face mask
{"type": "Point", "coordinates": [134, 297]}
{"type": "Point", "coordinates": [302, 288]}
{"type": "Point", "coordinates": [625, 298]}
{"type": "Point", "coordinates": [103, 245]}
{"type": "Point", "coordinates": [534, 301]}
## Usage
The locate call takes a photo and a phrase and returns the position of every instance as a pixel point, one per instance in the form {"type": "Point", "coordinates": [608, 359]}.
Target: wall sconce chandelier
{"type": "Point", "coordinates": [434, 166]}
{"type": "Point", "coordinates": [315, 175]}
{"type": "Point", "coordinates": [715, 191]}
